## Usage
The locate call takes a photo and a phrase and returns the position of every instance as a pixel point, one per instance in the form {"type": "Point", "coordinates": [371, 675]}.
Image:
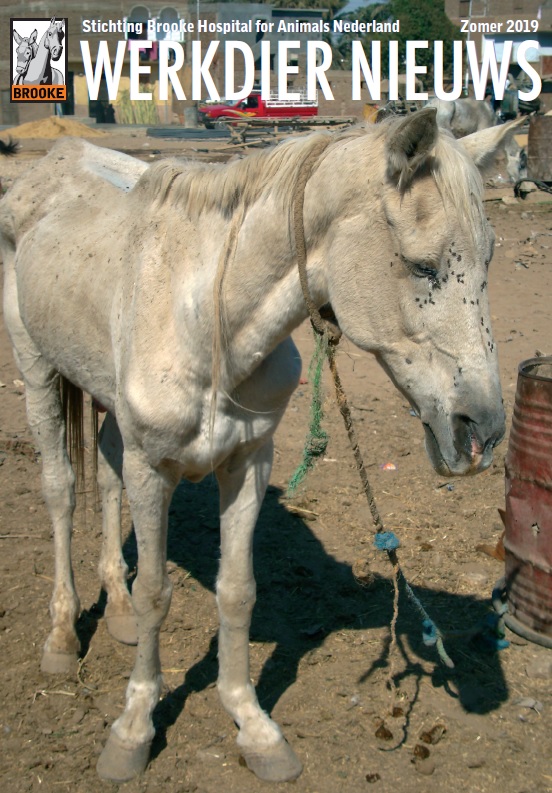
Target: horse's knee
{"type": "Point", "coordinates": [151, 601]}
{"type": "Point", "coordinates": [236, 601]}
{"type": "Point", "coordinates": [58, 486]}
{"type": "Point", "coordinates": [108, 480]}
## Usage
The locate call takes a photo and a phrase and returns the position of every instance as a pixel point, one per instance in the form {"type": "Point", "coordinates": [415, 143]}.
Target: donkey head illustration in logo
{"type": "Point", "coordinates": [25, 51]}
{"type": "Point", "coordinates": [33, 65]}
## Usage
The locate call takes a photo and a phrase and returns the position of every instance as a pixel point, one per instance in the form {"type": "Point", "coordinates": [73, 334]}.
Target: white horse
{"type": "Point", "coordinates": [465, 116]}
{"type": "Point", "coordinates": [112, 274]}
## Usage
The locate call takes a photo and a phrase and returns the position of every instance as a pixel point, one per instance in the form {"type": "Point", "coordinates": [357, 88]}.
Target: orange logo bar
{"type": "Point", "coordinates": [39, 93]}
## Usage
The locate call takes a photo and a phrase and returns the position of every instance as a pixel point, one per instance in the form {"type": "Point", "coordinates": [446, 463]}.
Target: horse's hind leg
{"type": "Point", "coordinates": [119, 613]}
{"type": "Point", "coordinates": [242, 488]}
{"type": "Point", "coordinates": [45, 416]}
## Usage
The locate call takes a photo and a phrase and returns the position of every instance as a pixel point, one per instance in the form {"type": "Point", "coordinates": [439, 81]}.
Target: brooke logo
{"type": "Point", "coordinates": [38, 60]}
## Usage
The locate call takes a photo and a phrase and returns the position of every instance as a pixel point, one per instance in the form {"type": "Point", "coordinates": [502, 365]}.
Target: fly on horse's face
{"type": "Point", "coordinates": [54, 38]}
{"type": "Point", "coordinates": [25, 51]}
{"type": "Point", "coordinates": [412, 286]}
{"type": "Point", "coordinates": [445, 361]}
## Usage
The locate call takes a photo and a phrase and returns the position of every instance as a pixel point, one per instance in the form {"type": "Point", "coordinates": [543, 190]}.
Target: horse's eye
{"type": "Point", "coordinates": [421, 270]}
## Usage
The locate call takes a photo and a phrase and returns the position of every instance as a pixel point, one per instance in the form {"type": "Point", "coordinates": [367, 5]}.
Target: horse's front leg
{"type": "Point", "coordinates": [242, 488]}
{"type": "Point", "coordinates": [149, 491]}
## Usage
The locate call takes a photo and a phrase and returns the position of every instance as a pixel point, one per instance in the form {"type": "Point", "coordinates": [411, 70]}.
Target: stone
{"type": "Point", "coordinates": [540, 668]}
{"type": "Point", "coordinates": [425, 766]}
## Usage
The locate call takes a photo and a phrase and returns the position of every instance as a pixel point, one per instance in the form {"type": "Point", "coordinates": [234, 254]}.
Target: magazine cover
{"type": "Point", "coordinates": [276, 395]}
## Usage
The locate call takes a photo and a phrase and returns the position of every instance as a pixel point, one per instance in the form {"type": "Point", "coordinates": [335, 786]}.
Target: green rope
{"type": "Point", "coordinates": [317, 439]}
{"type": "Point", "coordinates": [315, 447]}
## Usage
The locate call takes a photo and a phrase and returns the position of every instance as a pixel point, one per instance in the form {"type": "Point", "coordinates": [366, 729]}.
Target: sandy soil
{"type": "Point", "coordinates": [319, 642]}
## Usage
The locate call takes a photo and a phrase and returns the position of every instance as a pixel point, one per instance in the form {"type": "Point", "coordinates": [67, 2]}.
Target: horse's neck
{"type": "Point", "coordinates": [39, 67]}
{"type": "Point", "coordinates": [262, 301]}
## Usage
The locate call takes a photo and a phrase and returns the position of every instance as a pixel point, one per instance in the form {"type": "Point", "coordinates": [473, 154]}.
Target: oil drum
{"type": "Point", "coordinates": [528, 523]}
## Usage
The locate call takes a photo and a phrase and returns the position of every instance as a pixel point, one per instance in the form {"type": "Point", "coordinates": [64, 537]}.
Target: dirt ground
{"type": "Point", "coordinates": [319, 641]}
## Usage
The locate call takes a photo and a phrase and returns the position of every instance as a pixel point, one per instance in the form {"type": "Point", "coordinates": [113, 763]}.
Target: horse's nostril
{"type": "Point", "coordinates": [469, 435]}
{"type": "Point", "coordinates": [477, 437]}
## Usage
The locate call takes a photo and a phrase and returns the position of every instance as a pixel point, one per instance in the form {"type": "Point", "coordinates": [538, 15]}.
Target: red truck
{"type": "Point", "coordinates": [254, 106]}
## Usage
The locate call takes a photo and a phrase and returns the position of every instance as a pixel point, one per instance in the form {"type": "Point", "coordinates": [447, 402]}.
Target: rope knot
{"type": "Point", "coordinates": [316, 447]}
{"type": "Point", "coordinates": [386, 541]}
{"type": "Point", "coordinates": [429, 633]}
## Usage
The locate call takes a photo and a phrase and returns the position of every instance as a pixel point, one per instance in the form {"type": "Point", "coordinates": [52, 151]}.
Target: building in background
{"type": "Point", "coordinates": [79, 12]}
{"type": "Point", "coordinates": [510, 20]}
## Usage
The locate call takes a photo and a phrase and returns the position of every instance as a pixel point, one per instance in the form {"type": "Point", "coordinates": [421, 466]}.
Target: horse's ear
{"type": "Point", "coordinates": [32, 37]}
{"type": "Point", "coordinates": [17, 37]}
{"type": "Point", "coordinates": [483, 146]}
{"type": "Point", "coordinates": [409, 143]}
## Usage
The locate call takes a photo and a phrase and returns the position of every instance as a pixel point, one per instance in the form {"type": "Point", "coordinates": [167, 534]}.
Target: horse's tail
{"type": "Point", "coordinates": [9, 148]}
{"type": "Point", "coordinates": [72, 401]}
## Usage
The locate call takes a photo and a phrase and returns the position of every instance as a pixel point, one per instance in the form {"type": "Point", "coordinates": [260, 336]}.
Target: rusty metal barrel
{"type": "Point", "coordinates": [539, 148]}
{"type": "Point", "coordinates": [528, 535]}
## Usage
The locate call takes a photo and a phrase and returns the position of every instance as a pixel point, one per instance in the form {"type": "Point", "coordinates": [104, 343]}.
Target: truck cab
{"type": "Point", "coordinates": [254, 106]}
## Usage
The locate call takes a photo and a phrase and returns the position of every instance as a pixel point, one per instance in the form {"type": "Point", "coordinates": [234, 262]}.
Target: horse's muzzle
{"type": "Point", "coordinates": [473, 443]}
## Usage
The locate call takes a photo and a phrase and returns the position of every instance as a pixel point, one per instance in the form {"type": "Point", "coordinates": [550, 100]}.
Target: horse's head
{"type": "Point", "coordinates": [407, 278]}
{"type": "Point", "coordinates": [25, 51]}
{"type": "Point", "coordinates": [53, 39]}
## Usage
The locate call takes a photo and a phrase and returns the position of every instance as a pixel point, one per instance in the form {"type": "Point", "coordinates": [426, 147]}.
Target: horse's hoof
{"type": "Point", "coordinates": [122, 627]}
{"type": "Point", "coordinates": [277, 764]}
{"type": "Point", "coordinates": [59, 663]}
{"type": "Point", "coordinates": [120, 762]}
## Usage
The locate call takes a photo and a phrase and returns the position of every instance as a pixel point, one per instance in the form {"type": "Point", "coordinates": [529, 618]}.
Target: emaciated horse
{"type": "Point", "coordinates": [33, 60]}
{"type": "Point", "coordinates": [112, 274]}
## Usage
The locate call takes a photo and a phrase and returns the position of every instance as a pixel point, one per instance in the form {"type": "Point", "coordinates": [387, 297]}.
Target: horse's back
{"type": "Point", "coordinates": [60, 225]}
{"type": "Point", "coordinates": [71, 167]}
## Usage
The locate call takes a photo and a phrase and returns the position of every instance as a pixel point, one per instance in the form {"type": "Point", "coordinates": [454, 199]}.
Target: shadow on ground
{"type": "Point", "coordinates": [303, 595]}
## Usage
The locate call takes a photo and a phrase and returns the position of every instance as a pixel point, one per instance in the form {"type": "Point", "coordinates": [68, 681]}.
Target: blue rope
{"type": "Point", "coordinates": [431, 635]}
{"type": "Point", "coordinates": [492, 633]}
{"type": "Point", "coordinates": [386, 541]}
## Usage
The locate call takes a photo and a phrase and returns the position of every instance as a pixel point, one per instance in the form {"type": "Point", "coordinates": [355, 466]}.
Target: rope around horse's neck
{"type": "Point", "coordinates": [320, 325]}
{"type": "Point", "coordinates": [331, 334]}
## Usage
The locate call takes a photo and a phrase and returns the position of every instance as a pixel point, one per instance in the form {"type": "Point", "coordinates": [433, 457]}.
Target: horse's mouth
{"type": "Point", "coordinates": [434, 452]}
{"type": "Point", "coordinates": [469, 460]}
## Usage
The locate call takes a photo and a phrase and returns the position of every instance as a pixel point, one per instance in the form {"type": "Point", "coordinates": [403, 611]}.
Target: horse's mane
{"type": "Point", "coordinates": [199, 187]}
{"type": "Point", "coordinates": [460, 183]}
